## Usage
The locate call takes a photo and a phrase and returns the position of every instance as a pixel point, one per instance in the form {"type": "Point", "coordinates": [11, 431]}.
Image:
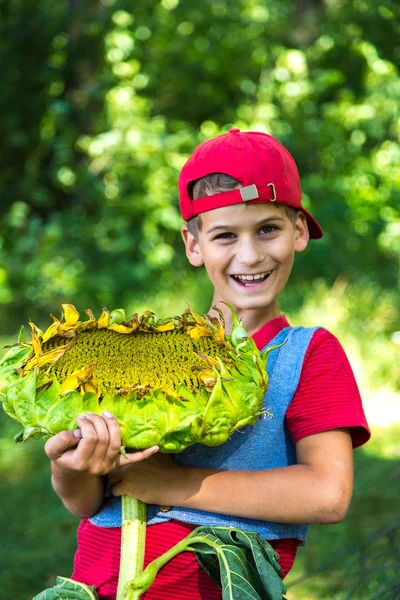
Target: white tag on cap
{"type": "Point", "coordinates": [249, 192]}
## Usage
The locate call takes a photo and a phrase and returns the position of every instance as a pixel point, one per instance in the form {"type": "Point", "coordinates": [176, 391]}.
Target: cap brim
{"type": "Point", "coordinates": [316, 232]}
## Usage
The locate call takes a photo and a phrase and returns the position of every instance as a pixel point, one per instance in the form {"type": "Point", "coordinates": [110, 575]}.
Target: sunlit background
{"type": "Point", "coordinates": [101, 103]}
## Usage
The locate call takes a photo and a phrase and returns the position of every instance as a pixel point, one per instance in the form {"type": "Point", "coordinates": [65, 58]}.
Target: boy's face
{"type": "Point", "coordinates": [245, 240]}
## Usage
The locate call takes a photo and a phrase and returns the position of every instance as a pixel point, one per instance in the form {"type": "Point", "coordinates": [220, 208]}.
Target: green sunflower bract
{"type": "Point", "coordinates": [171, 382]}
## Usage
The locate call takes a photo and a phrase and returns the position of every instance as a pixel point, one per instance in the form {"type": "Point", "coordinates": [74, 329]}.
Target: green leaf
{"type": "Point", "coordinates": [66, 589]}
{"type": "Point", "coordinates": [243, 564]}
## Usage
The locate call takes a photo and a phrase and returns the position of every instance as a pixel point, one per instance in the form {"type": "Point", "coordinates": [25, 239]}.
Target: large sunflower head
{"type": "Point", "coordinates": [171, 381]}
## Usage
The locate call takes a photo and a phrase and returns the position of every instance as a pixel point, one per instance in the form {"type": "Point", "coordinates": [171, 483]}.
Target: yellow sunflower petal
{"type": "Point", "coordinates": [71, 315]}
{"type": "Point", "coordinates": [218, 334]}
{"type": "Point", "coordinates": [199, 320]}
{"type": "Point", "coordinates": [51, 331]}
{"type": "Point", "coordinates": [210, 360]}
{"type": "Point", "coordinates": [36, 344]}
{"type": "Point", "coordinates": [80, 378]}
{"type": "Point", "coordinates": [166, 327]}
{"type": "Point", "coordinates": [104, 319]}
{"type": "Point", "coordinates": [48, 357]}
{"type": "Point", "coordinates": [91, 316]}
{"type": "Point", "coordinates": [198, 332]}
{"type": "Point", "coordinates": [121, 328]}
{"type": "Point", "coordinates": [71, 382]}
{"type": "Point", "coordinates": [216, 328]}
{"type": "Point", "coordinates": [89, 386]}
{"type": "Point", "coordinates": [169, 391]}
{"type": "Point", "coordinates": [208, 378]}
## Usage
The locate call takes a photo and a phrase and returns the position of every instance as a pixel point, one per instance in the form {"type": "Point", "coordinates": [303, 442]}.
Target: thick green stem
{"type": "Point", "coordinates": [132, 546]}
{"type": "Point", "coordinates": [181, 546]}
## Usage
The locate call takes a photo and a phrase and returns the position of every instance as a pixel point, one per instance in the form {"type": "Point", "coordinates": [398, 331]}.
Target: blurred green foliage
{"type": "Point", "coordinates": [102, 102]}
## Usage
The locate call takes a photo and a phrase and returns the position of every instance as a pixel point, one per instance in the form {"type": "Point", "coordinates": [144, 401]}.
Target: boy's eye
{"type": "Point", "coordinates": [264, 230]}
{"type": "Point", "coordinates": [268, 229]}
{"type": "Point", "coordinates": [224, 236]}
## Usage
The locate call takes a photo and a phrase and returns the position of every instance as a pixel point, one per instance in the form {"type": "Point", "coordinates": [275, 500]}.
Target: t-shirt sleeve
{"type": "Point", "coordinates": [327, 396]}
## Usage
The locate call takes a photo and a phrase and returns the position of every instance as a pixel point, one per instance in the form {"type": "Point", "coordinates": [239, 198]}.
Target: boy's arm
{"type": "Point", "coordinates": [316, 490]}
{"type": "Point", "coordinates": [80, 459]}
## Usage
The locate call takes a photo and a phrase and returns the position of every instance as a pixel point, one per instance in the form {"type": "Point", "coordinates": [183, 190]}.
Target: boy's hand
{"type": "Point", "coordinates": [149, 482]}
{"type": "Point", "coordinates": [92, 449]}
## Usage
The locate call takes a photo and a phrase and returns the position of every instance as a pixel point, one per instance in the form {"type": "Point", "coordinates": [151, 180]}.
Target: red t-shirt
{"type": "Point", "coordinates": [326, 398]}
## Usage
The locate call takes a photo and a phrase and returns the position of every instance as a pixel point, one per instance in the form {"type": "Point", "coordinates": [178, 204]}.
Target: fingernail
{"type": "Point", "coordinates": [107, 414]}
{"type": "Point", "coordinates": [81, 417]}
{"type": "Point", "coordinates": [155, 450]}
{"type": "Point", "coordinates": [77, 433]}
{"type": "Point", "coordinates": [89, 413]}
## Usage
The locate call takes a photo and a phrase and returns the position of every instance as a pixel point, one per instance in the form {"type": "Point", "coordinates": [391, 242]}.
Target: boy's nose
{"type": "Point", "coordinates": [249, 254]}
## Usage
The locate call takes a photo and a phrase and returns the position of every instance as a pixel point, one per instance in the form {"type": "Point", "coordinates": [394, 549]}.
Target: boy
{"type": "Point", "coordinates": [240, 195]}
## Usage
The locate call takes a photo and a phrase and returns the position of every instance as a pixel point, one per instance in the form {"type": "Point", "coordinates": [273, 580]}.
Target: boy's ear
{"type": "Point", "coordinates": [193, 252]}
{"type": "Point", "coordinates": [301, 233]}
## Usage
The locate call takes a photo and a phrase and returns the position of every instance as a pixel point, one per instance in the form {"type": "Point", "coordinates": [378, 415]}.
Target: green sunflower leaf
{"type": "Point", "coordinates": [66, 589]}
{"type": "Point", "coordinates": [240, 562]}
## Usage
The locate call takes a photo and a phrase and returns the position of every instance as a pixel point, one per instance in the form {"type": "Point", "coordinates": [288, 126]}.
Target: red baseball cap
{"type": "Point", "coordinates": [263, 166]}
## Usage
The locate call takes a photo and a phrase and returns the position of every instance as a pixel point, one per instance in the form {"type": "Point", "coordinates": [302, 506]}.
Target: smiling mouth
{"type": "Point", "coordinates": [251, 280]}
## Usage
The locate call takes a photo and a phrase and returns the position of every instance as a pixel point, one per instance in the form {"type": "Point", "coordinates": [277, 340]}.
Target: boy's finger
{"type": "Point", "coordinates": [114, 432]}
{"type": "Point", "coordinates": [103, 436]}
{"type": "Point", "coordinates": [61, 442]}
{"type": "Point", "coordinates": [88, 443]}
{"type": "Point", "coordinates": [134, 457]}
{"type": "Point", "coordinates": [100, 427]}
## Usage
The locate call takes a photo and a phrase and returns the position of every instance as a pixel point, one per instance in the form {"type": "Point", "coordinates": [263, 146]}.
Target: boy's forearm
{"type": "Point", "coordinates": [81, 493]}
{"type": "Point", "coordinates": [292, 494]}
{"type": "Point", "coordinates": [316, 490]}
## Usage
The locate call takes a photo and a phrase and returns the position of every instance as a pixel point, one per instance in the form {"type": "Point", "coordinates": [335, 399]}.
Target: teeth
{"type": "Point", "coordinates": [251, 277]}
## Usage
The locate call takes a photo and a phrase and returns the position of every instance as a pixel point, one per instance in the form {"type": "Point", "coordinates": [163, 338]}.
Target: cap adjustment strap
{"type": "Point", "coordinates": [248, 193]}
